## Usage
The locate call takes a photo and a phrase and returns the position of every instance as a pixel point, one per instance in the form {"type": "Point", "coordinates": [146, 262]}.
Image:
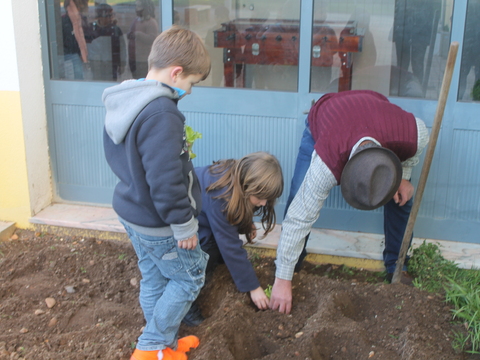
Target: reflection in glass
{"type": "Point", "coordinates": [414, 29]}
{"type": "Point", "coordinates": [333, 44]}
{"type": "Point", "coordinates": [101, 40]}
{"type": "Point", "coordinates": [252, 45]}
{"type": "Point", "coordinates": [75, 52]}
{"type": "Point", "coordinates": [469, 86]}
{"type": "Point", "coordinates": [143, 31]}
{"type": "Point", "coordinates": [106, 51]}
{"type": "Point", "coordinates": [396, 48]}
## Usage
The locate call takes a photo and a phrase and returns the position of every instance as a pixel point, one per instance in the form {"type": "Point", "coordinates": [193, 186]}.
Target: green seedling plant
{"type": "Point", "coordinates": [268, 291]}
{"type": "Point", "coordinates": [190, 137]}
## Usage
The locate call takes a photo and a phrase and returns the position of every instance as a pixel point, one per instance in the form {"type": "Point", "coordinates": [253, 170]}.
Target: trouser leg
{"type": "Point", "coordinates": [395, 222]}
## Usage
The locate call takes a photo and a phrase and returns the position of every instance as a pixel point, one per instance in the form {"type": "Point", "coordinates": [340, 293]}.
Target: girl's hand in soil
{"type": "Point", "coordinates": [281, 298]}
{"type": "Point", "coordinates": [259, 298]}
{"type": "Point", "coordinates": [188, 244]}
{"type": "Point", "coordinates": [253, 234]}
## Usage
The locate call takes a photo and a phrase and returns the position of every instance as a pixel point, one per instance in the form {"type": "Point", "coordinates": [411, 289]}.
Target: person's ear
{"type": "Point", "coordinates": [176, 72]}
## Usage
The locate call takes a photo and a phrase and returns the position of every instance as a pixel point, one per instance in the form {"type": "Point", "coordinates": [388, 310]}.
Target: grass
{"type": "Point", "coordinates": [431, 270]}
{"type": "Point", "coordinates": [434, 273]}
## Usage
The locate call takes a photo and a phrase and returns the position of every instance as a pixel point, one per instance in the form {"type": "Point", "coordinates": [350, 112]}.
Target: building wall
{"type": "Point", "coordinates": [25, 186]}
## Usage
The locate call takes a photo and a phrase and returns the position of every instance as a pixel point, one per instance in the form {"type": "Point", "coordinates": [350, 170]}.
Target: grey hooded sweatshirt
{"type": "Point", "coordinates": [144, 141]}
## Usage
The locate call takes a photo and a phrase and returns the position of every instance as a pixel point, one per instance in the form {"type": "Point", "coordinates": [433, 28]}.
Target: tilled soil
{"type": "Point", "coordinates": [64, 297]}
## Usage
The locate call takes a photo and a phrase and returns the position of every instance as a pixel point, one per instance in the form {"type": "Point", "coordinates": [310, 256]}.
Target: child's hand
{"type": "Point", "coordinates": [253, 234]}
{"type": "Point", "coordinates": [189, 244]}
{"type": "Point", "coordinates": [259, 298]}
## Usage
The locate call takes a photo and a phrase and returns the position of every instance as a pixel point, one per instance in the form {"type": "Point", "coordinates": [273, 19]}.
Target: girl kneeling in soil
{"type": "Point", "coordinates": [233, 192]}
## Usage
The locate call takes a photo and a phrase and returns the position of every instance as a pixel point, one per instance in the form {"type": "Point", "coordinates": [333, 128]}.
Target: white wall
{"type": "Point", "coordinates": [8, 62]}
{"type": "Point", "coordinates": [26, 27]}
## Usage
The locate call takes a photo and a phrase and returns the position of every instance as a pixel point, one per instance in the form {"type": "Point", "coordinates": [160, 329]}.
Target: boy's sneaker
{"type": "Point", "coordinates": [188, 342]}
{"type": "Point", "coordinates": [193, 317]}
{"type": "Point", "coordinates": [165, 354]}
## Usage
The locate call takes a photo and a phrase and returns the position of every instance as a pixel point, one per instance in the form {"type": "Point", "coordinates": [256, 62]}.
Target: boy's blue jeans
{"type": "Point", "coordinates": [395, 217]}
{"type": "Point", "coordinates": [171, 281]}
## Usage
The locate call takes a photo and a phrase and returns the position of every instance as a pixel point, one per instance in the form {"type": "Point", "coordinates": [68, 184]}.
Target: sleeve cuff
{"type": "Point", "coordinates": [407, 173]}
{"type": "Point", "coordinates": [185, 231]}
{"type": "Point", "coordinates": [284, 272]}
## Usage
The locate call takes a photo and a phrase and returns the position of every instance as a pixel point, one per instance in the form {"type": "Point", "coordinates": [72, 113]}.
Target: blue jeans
{"type": "Point", "coordinates": [73, 67]}
{"type": "Point", "coordinates": [302, 164]}
{"type": "Point", "coordinates": [395, 220]}
{"type": "Point", "coordinates": [395, 217]}
{"type": "Point", "coordinates": [171, 280]}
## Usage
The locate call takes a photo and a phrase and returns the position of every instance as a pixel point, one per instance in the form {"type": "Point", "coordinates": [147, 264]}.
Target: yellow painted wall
{"type": "Point", "coordinates": [14, 193]}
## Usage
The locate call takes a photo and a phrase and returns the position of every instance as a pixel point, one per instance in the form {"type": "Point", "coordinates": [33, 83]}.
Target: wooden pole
{"type": "Point", "coordinates": [437, 122]}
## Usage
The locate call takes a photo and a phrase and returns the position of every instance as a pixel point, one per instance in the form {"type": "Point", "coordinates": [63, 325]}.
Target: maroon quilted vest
{"type": "Point", "coordinates": [339, 120]}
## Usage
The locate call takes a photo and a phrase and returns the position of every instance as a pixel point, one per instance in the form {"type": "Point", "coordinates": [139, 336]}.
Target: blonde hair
{"type": "Point", "coordinates": [180, 47]}
{"type": "Point", "coordinates": [258, 174]}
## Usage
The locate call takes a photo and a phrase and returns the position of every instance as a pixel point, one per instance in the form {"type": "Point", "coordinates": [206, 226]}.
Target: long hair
{"type": "Point", "coordinates": [258, 174]}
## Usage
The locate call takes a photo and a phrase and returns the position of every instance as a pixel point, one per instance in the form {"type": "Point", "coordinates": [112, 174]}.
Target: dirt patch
{"type": "Point", "coordinates": [336, 314]}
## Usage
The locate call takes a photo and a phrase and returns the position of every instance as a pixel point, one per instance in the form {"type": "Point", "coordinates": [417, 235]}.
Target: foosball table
{"type": "Point", "coordinates": [270, 42]}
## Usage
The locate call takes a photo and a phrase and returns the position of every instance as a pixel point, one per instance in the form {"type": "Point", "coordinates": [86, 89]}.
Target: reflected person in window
{"type": "Point", "coordinates": [107, 51]}
{"type": "Point", "coordinates": [471, 49]}
{"type": "Point", "coordinates": [413, 27]}
{"type": "Point", "coordinates": [74, 24]}
{"type": "Point", "coordinates": [142, 33]}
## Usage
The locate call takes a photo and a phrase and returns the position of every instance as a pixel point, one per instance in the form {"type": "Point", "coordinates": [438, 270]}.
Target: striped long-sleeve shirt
{"type": "Point", "coordinates": [305, 207]}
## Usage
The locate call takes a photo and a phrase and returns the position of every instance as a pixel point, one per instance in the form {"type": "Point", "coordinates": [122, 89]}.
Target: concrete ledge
{"type": "Point", "coordinates": [79, 217]}
{"type": "Point", "coordinates": [361, 250]}
{"type": "Point", "coordinates": [319, 259]}
{"type": "Point", "coordinates": [80, 232]}
{"type": "Point", "coordinates": [6, 230]}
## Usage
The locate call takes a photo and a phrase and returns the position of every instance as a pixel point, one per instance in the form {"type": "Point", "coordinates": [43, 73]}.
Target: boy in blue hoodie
{"type": "Point", "coordinates": [158, 196]}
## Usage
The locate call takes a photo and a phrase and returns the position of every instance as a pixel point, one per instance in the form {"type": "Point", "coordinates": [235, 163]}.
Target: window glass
{"type": "Point", "coordinates": [252, 44]}
{"type": "Point", "coordinates": [397, 48]}
{"type": "Point", "coordinates": [101, 40]}
{"type": "Point", "coordinates": [469, 84]}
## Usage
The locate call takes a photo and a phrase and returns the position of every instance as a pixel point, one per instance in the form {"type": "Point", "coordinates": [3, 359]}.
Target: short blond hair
{"type": "Point", "coordinates": [178, 46]}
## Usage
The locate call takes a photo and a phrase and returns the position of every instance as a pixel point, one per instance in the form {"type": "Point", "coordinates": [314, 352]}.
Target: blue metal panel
{"type": "Point", "coordinates": [82, 173]}
{"type": "Point", "coordinates": [233, 136]}
{"type": "Point", "coordinates": [463, 185]}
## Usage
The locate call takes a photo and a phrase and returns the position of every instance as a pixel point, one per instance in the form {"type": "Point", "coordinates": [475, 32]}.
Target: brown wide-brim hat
{"type": "Point", "coordinates": [371, 177]}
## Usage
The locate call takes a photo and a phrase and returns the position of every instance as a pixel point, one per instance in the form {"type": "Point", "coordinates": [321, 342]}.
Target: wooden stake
{"type": "Point", "coordinates": [437, 122]}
